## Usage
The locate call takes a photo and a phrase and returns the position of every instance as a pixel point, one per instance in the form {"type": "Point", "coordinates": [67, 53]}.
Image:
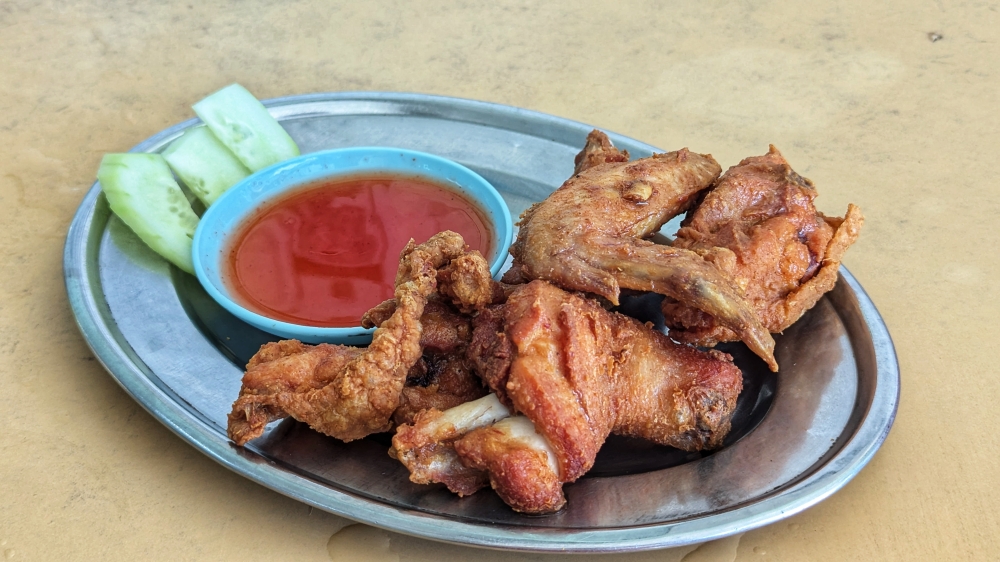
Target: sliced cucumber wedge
{"type": "Point", "coordinates": [143, 193]}
{"type": "Point", "coordinates": [204, 164]}
{"type": "Point", "coordinates": [246, 128]}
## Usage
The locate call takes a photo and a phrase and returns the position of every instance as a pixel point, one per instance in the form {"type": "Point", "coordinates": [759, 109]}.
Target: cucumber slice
{"type": "Point", "coordinates": [143, 193]}
{"type": "Point", "coordinates": [243, 124]}
{"type": "Point", "coordinates": [204, 164]}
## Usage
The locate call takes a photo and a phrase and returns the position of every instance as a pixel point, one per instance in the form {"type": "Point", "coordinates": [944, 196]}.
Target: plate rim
{"type": "Point", "coordinates": [92, 322]}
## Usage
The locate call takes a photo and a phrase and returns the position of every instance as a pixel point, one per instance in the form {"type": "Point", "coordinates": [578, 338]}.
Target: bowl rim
{"type": "Point", "coordinates": [501, 222]}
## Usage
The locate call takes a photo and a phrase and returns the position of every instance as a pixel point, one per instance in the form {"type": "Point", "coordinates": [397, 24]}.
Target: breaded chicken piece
{"type": "Point", "coordinates": [758, 224]}
{"type": "Point", "coordinates": [597, 150]}
{"type": "Point", "coordinates": [446, 381]}
{"type": "Point", "coordinates": [519, 462]}
{"type": "Point", "coordinates": [577, 373]}
{"type": "Point", "coordinates": [444, 329]}
{"type": "Point", "coordinates": [589, 235]}
{"type": "Point", "coordinates": [287, 366]}
{"type": "Point", "coordinates": [575, 361]}
{"type": "Point", "coordinates": [425, 445]}
{"type": "Point", "coordinates": [465, 282]}
{"type": "Point", "coordinates": [354, 398]}
{"type": "Point", "coordinates": [443, 377]}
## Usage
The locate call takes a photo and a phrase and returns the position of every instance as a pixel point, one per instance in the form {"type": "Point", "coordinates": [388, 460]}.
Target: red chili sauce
{"type": "Point", "coordinates": [324, 254]}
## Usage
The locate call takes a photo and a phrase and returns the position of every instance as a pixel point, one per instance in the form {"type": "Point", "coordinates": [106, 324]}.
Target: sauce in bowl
{"type": "Point", "coordinates": [325, 253]}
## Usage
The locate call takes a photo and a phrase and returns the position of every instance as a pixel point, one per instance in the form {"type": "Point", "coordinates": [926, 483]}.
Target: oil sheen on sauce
{"type": "Point", "coordinates": [325, 253]}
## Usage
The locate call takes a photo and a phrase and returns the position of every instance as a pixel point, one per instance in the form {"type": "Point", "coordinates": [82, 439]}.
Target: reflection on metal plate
{"type": "Point", "coordinates": [798, 436]}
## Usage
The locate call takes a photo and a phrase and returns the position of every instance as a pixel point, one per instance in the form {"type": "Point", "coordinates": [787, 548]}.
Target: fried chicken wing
{"type": "Point", "coordinates": [589, 234]}
{"type": "Point", "coordinates": [759, 225]}
{"type": "Point", "coordinates": [577, 373]}
{"type": "Point", "coordinates": [353, 398]}
{"type": "Point", "coordinates": [617, 373]}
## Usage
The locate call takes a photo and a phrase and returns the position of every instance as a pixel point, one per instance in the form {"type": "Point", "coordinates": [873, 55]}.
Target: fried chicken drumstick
{"type": "Point", "coordinates": [758, 224]}
{"type": "Point", "coordinates": [340, 391]}
{"type": "Point", "coordinates": [589, 235]}
{"type": "Point", "coordinates": [576, 372]}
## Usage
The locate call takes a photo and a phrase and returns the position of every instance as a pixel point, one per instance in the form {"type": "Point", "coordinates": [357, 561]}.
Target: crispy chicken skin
{"type": "Point", "coordinates": [444, 329]}
{"type": "Point", "coordinates": [577, 373]}
{"type": "Point", "coordinates": [465, 282]}
{"type": "Point", "coordinates": [426, 444]}
{"type": "Point", "coordinates": [576, 364]}
{"type": "Point", "coordinates": [443, 377]}
{"type": "Point", "coordinates": [519, 462]}
{"type": "Point", "coordinates": [286, 366]}
{"type": "Point", "coordinates": [758, 224]}
{"type": "Point", "coordinates": [353, 398]}
{"type": "Point", "coordinates": [468, 283]}
{"type": "Point", "coordinates": [589, 236]}
{"type": "Point", "coordinates": [597, 150]}
{"type": "Point", "coordinates": [561, 374]}
{"type": "Point", "coordinates": [691, 409]}
{"type": "Point", "coordinates": [438, 381]}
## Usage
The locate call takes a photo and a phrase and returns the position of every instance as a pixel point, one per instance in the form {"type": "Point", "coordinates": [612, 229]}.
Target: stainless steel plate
{"type": "Point", "coordinates": [800, 436]}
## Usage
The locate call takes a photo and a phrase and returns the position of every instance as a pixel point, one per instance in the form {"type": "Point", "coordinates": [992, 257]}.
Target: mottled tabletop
{"type": "Point", "coordinates": [891, 106]}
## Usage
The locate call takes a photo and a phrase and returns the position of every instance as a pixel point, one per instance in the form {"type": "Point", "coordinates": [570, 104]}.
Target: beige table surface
{"type": "Point", "coordinates": [857, 95]}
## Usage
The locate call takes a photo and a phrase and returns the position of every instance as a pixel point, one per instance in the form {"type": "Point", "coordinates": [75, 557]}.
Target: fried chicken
{"type": "Point", "coordinates": [443, 329]}
{"type": "Point", "coordinates": [465, 281]}
{"type": "Point", "coordinates": [597, 150]}
{"type": "Point", "coordinates": [589, 235]}
{"type": "Point", "coordinates": [288, 367]}
{"type": "Point", "coordinates": [577, 373]}
{"type": "Point", "coordinates": [520, 463]}
{"type": "Point", "coordinates": [425, 446]}
{"type": "Point", "coordinates": [758, 224]}
{"type": "Point", "coordinates": [438, 381]}
{"type": "Point", "coordinates": [565, 372]}
{"type": "Point", "coordinates": [342, 393]}
{"type": "Point", "coordinates": [443, 377]}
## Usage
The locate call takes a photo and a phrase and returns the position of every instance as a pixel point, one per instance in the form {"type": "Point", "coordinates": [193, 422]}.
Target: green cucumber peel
{"type": "Point", "coordinates": [245, 127]}
{"type": "Point", "coordinates": [143, 193]}
{"type": "Point", "coordinates": [204, 164]}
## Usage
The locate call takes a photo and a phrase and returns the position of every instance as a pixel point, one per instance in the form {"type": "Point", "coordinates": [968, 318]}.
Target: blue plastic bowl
{"type": "Point", "coordinates": [224, 217]}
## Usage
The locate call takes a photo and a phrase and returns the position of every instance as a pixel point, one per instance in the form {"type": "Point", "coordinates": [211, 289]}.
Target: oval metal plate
{"type": "Point", "coordinates": [180, 356]}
